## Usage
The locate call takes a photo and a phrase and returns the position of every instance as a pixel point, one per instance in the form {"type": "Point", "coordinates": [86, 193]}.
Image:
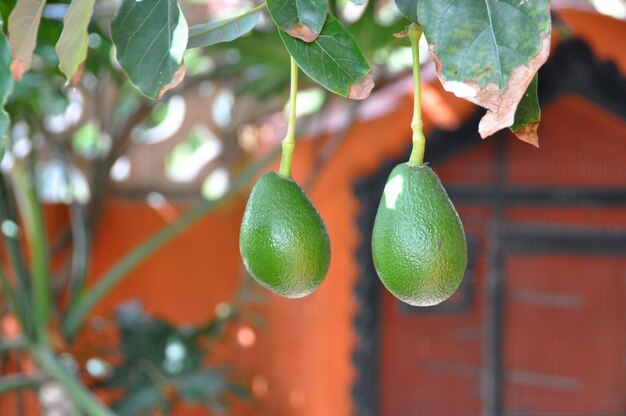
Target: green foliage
{"type": "Point", "coordinates": [409, 9]}
{"type": "Point", "coordinates": [496, 37]}
{"type": "Point", "coordinates": [333, 60]}
{"type": "Point", "coordinates": [36, 239]}
{"type": "Point", "coordinates": [162, 363]}
{"type": "Point", "coordinates": [6, 85]}
{"type": "Point", "coordinates": [72, 45]}
{"type": "Point", "coordinates": [493, 55]}
{"type": "Point", "coordinates": [5, 9]}
{"type": "Point", "coordinates": [226, 30]}
{"type": "Point", "coordinates": [151, 37]}
{"type": "Point", "coordinates": [23, 25]}
{"type": "Point", "coordinates": [260, 67]}
{"type": "Point", "coordinates": [528, 115]}
{"type": "Point", "coordinates": [41, 93]}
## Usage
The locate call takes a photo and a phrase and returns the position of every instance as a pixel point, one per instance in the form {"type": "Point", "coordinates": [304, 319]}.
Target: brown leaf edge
{"type": "Point", "coordinates": [500, 104]}
{"type": "Point", "coordinates": [502, 115]}
{"type": "Point", "coordinates": [302, 32]}
{"type": "Point", "coordinates": [362, 89]}
{"type": "Point", "coordinates": [178, 76]}
{"type": "Point", "coordinates": [528, 134]}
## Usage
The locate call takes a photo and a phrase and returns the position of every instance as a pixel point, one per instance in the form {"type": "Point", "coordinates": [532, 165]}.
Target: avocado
{"type": "Point", "coordinates": [418, 242]}
{"type": "Point", "coordinates": [283, 241]}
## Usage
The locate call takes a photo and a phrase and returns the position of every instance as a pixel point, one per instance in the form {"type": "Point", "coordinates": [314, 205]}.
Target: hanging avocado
{"type": "Point", "coordinates": [418, 243]}
{"type": "Point", "coordinates": [283, 241]}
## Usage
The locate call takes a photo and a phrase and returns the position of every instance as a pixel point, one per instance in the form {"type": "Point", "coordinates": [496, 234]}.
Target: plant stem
{"type": "Point", "coordinates": [32, 217]}
{"type": "Point", "coordinates": [11, 298]}
{"type": "Point", "coordinates": [11, 237]}
{"type": "Point", "coordinates": [77, 313]}
{"type": "Point", "coordinates": [78, 215]}
{"type": "Point", "coordinates": [82, 397]}
{"type": "Point", "coordinates": [419, 141]}
{"type": "Point", "coordinates": [289, 142]}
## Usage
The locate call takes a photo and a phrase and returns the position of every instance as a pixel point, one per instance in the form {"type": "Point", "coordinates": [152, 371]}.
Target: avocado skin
{"type": "Point", "coordinates": [283, 241]}
{"type": "Point", "coordinates": [418, 242]}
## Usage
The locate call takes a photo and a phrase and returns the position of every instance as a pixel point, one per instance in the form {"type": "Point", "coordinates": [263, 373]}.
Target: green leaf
{"type": "Point", "coordinates": [224, 30]}
{"type": "Point", "coordinates": [150, 37]}
{"type": "Point", "coordinates": [487, 51]}
{"type": "Point", "coordinates": [302, 19]}
{"type": "Point", "coordinates": [528, 115]}
{"type": "Point", "coordinates": [23, 25]}
{"type": "Point", "coordinates": [74, 40]}
{"type": "Point", "coordinates": [333, 60]}
{"type": "Point", "coordinates": [6, 85]}
{"type": "Point", "coordinates": [408, 8]}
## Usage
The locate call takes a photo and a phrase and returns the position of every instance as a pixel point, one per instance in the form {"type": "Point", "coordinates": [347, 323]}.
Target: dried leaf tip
{"type": "Point", "coordinates": [18, 69]}
{"type": "Point", "coordinates": [502, 104]}
{"type": "Point", "coordinates": [362, 89]}
{"type": "Point", "coordinates": [528, 134]}
{"type": "Point", "coordinates": [176, 79]}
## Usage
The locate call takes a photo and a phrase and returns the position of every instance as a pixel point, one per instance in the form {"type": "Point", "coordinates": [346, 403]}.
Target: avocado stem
{"type": "Point", "coordinates": [419, 141]}
{"type": "Point", "coordinates": [289, 142]}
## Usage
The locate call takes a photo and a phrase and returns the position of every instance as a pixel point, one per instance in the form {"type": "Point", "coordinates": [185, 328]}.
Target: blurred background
{"type": "Point", "coordinates": [538, 326]}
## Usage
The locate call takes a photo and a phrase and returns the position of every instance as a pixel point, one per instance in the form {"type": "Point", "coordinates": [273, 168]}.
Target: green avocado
{"type": "Point", "coordinates": [418, 242]}
{"type": "Point", "coordinates": [283, 240]}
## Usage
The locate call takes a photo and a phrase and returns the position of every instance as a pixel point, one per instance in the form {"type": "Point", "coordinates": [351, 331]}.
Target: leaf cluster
{"type": "Point", "coordinates": [163, 364]}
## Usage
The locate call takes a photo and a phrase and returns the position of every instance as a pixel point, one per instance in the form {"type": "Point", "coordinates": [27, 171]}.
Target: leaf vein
{"type": "Point", "coordinates": [333, 59]}
{"type": "Point", "coordinates": [138, 28]}
{"type": "Point", "coordinates": [148, 48]}
{"type": "Point", "coordinates": [443, 14]}
{"type": "Point", "coordinates": [495, 41]}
